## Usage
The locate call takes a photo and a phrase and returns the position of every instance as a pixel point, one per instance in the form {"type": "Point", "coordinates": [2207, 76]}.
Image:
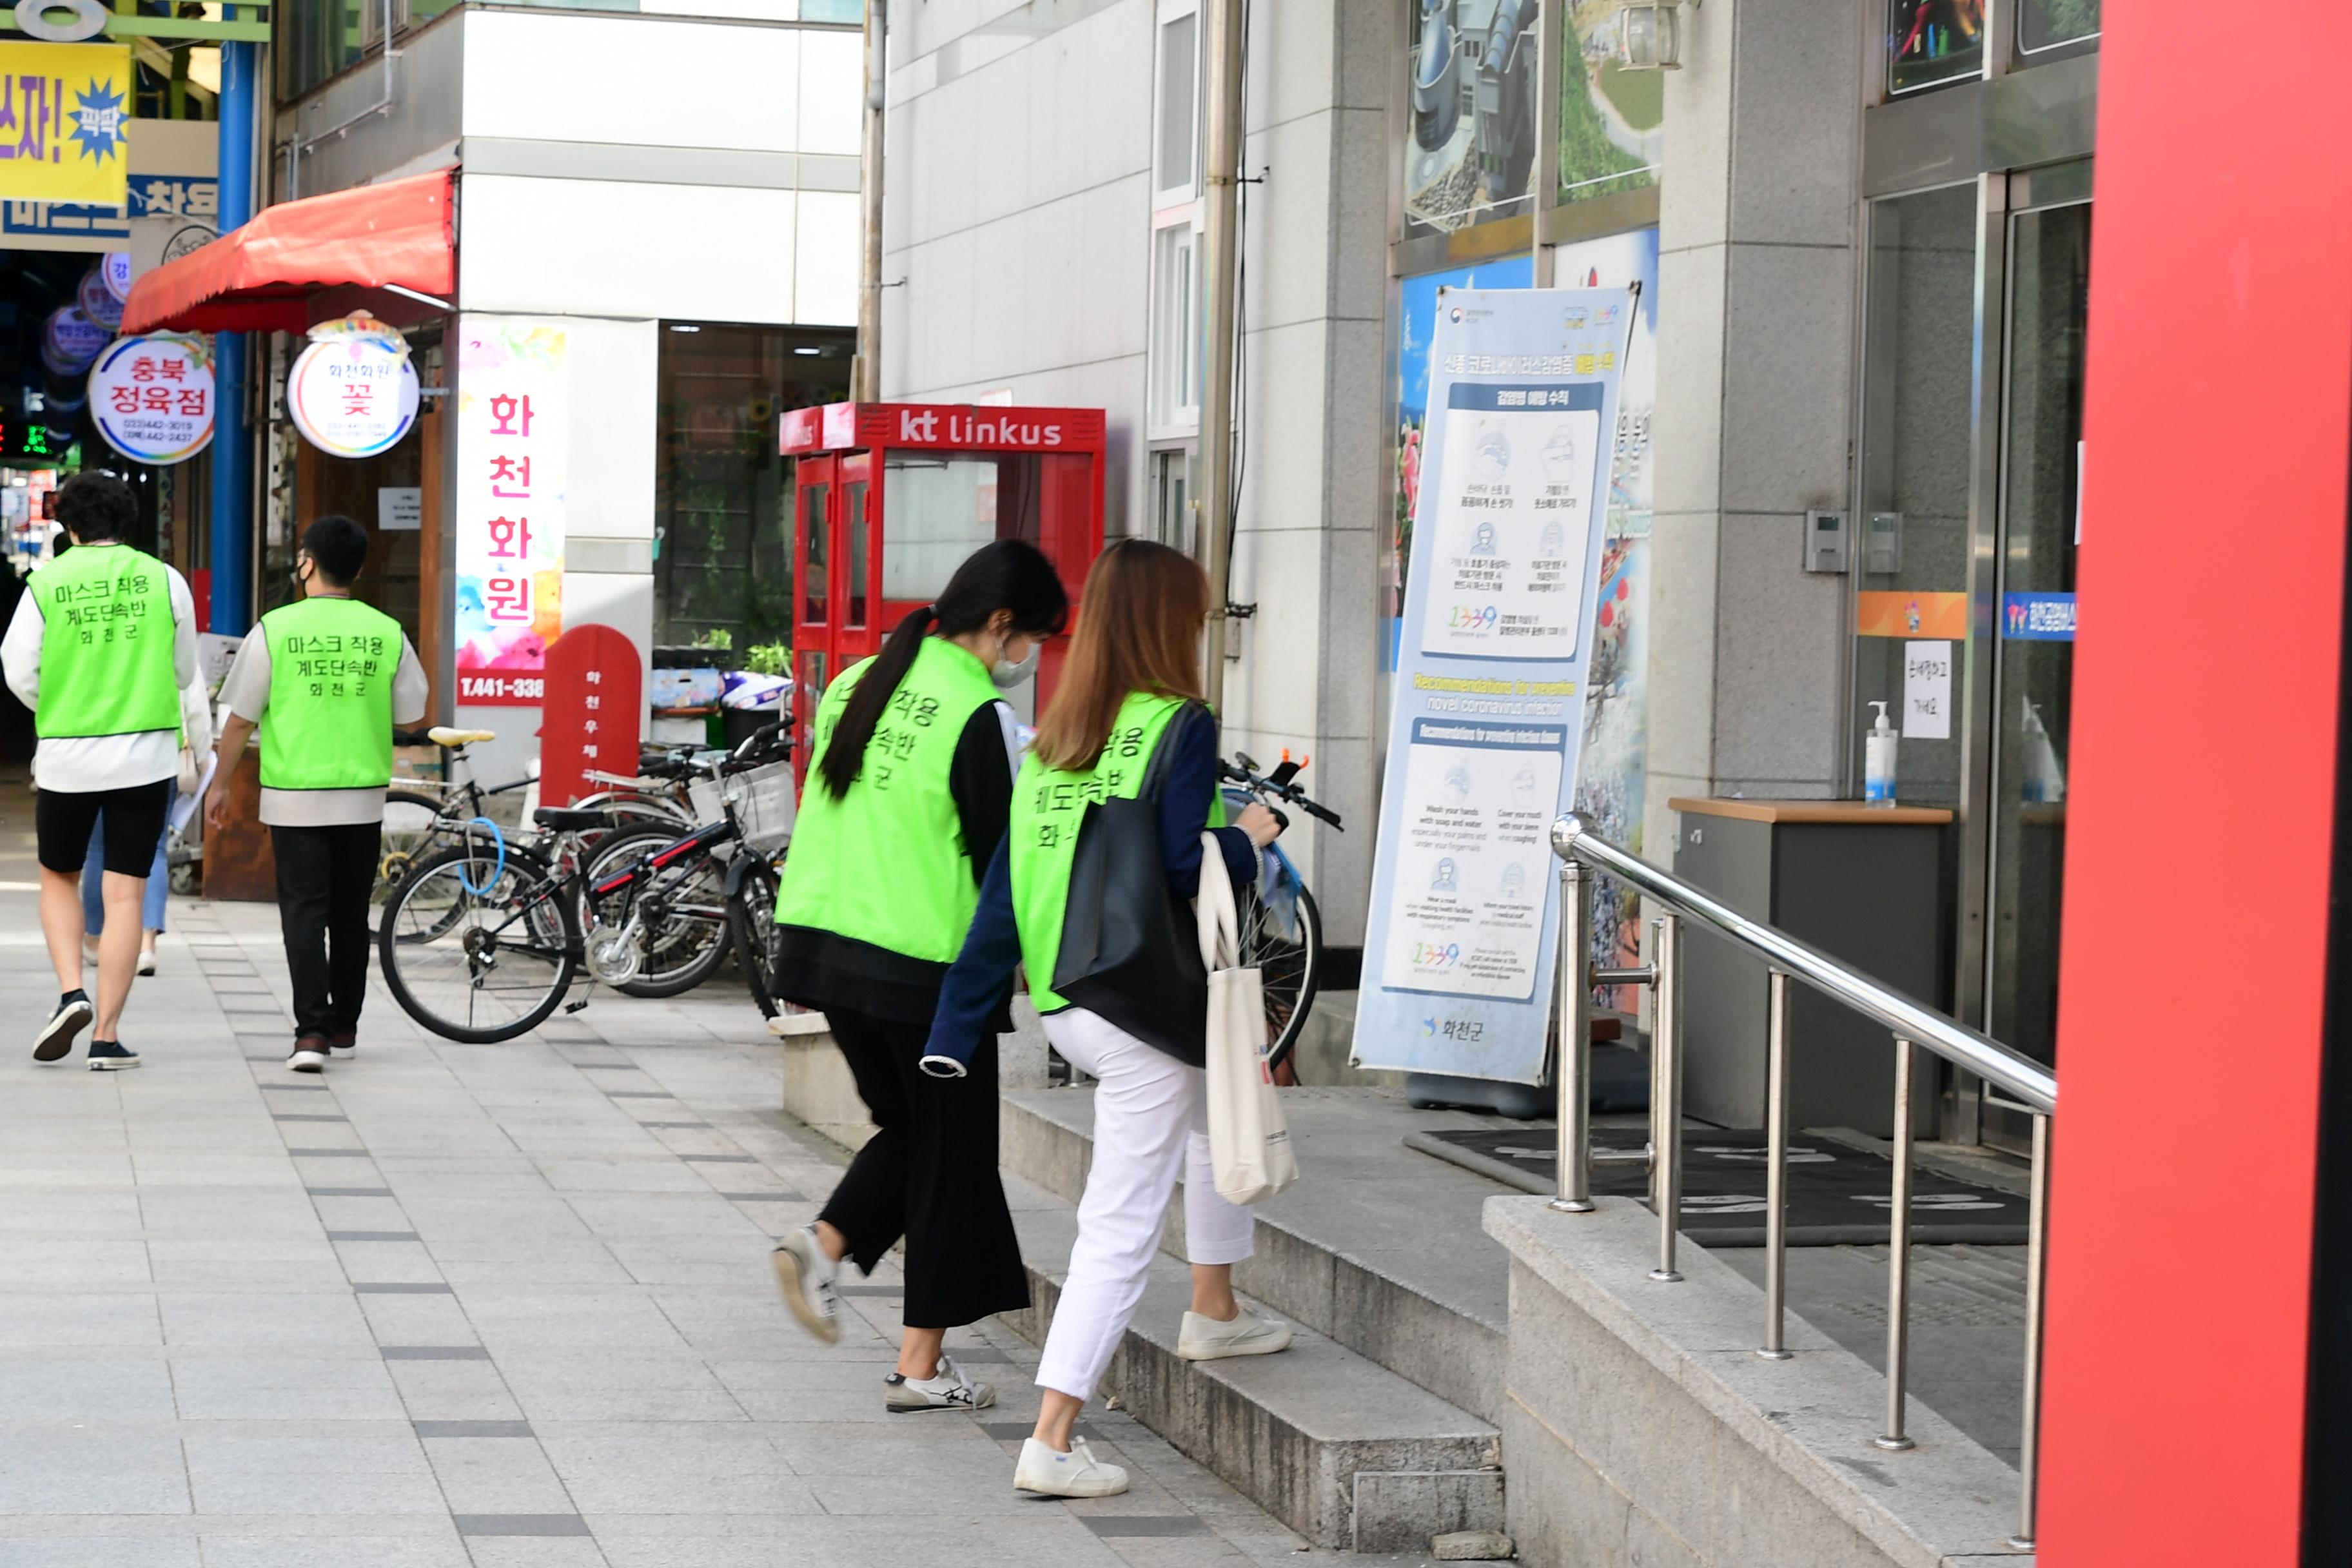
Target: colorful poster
{"type": "Point", "coordinates": [1488, 715]}
{"type": "Point", "coordinates": [151, 397]}
{"type": "Point", "coordinates": [64, 120]}
{"type": "Point", "coordinates": [511, 398]}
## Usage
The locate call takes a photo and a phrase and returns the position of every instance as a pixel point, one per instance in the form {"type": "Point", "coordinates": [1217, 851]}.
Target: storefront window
{"type": "Point", "coordinates": [1611, 121]}
{"type": "Point", "coordinates": [722, 497]}
{"type": "Point", "coordinates": [2046, 24]}
{"type": "Point", "coordinates": [1931, 43]}
{"type": "Point", "coordinates": [315, 38]}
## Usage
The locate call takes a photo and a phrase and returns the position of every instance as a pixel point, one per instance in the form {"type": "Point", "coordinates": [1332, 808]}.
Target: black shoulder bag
{"type": "Point", "coordinates": [1130, 948]}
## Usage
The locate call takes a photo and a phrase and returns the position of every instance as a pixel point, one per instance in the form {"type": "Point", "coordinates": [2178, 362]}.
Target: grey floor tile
{"type": "Point", "coordinates": [113, 1550]}
{"type": "Point", "coordinates": [280, 1389]}
{"type": "Point", "coordinates": [241, 1473]}
{"type": "Point", "coordinates": [228, 1550]}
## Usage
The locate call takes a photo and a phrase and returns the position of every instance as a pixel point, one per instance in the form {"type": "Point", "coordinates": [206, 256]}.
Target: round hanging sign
{"type": "Point", "coordinates": [353, 393]}
{"type": "Point", "coordinates": [99, 301]}
{"type": "Point", "coordinates": [74, 338]}
{"type": "Point", "coordinates": [115, 268]}
{"type": "Point", "coordinates": [151, 397]}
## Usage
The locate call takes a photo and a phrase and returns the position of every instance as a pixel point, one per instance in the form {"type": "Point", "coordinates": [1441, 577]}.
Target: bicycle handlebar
{"type": "Point", "coordinates": [1258, 785]}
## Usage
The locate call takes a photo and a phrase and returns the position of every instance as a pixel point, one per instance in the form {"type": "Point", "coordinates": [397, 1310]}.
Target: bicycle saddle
{"type": "Point", "coordinates": [563, 819]}
{"type": "Point", "coordinates": [442, 735]}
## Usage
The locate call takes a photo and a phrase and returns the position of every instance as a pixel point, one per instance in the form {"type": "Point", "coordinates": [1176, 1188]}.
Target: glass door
{"type": "Point", "coordinates": [2038, 532]}
{"type": "Point", "coordinates": [813, 628]}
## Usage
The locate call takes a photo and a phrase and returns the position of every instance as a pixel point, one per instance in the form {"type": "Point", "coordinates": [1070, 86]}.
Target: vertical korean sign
{"type": "Point", "coordinates": [1489, 709]}
{"type": "Point", "coordinates": [509, 512]}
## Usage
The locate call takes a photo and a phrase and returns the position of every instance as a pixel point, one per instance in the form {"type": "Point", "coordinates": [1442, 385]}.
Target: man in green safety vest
{"type": "Point", "coordinates": [332, 677]}
{"type": "Point", "coordinates": [99, 647]}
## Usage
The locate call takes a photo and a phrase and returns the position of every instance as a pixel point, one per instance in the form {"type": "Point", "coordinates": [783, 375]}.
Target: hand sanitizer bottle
{"type": "Point", "coordinates": [1878, 761]}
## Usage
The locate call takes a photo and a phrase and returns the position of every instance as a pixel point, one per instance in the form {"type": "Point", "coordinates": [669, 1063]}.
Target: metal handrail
{"type": "Point", "coordinates": [2033, 1084]}
{"type": "Point", "coordinates": [1581, 853]}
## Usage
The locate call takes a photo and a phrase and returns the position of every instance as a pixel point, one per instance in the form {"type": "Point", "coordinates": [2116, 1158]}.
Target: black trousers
{"type": "Point", "coordinates": [929, 1174]}
{"type": "Point", "coordinates": [324, 875]}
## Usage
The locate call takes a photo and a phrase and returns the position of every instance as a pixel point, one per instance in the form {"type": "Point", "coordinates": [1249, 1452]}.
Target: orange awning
{"type": "Point", "coordinates": [260, 278]}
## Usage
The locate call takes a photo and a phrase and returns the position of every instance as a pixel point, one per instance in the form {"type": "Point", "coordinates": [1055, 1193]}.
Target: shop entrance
{"type": "Point", "coordinates": [891, 496]}
{"type": "Point", "coordinates": [1966, 537]}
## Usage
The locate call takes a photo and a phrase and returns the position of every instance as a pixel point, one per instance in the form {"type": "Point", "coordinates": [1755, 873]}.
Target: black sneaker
{"type": "Point", "coordinates": [310, 1054]}
{"type": "Point", "coordinates": [55, 1039]}
{"type": "Point", "coordinates": [109, 1056]}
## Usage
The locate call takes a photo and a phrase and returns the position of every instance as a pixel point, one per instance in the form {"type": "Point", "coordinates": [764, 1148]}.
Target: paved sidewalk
{"type": "Point", "coordinates": [499, 1305]}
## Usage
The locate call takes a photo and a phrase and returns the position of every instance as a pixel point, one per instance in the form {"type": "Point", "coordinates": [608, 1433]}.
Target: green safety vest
{"type": "Point", "coordinates": [332, 664]}
{"type": "Point", "coordinates": [886, 864]}
{"type": "Point", "coordinates": [1049, 804]}
{"type": "Point", "coordinates": [107, 634]}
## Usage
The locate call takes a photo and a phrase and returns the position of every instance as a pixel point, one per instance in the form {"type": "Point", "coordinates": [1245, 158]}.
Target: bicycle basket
{"type": "Point", "coordinates": [765, 803]}
{"type": "Point", "coordinates": [703, 798]}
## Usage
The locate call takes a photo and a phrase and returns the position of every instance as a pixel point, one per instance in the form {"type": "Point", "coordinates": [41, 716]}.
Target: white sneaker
{"type": "Point", "coordinates": [806, 1275]}
{"type": "Point", "coordinates": [89, 951]}
{"type": "Point", "coordinates": [146, 961]}
{"type": "Point", "coordinates": [948, 1388]}
{"type": "Point", "coordinates": [1206, 1339]}
{"type": "Point", "coordinates": [1074, 1474]}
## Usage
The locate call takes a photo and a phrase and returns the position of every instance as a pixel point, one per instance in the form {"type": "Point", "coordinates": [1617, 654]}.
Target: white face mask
{"type": "Point", "coordinates": [1007, 673]}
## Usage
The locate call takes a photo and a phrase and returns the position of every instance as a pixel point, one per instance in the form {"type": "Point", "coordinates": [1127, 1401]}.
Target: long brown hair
{"type": "Point", "coordinates": [1139, 620]}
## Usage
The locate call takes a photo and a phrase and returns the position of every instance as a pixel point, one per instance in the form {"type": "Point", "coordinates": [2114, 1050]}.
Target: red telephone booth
{"type": "Point", "coordinates": [891, 496]}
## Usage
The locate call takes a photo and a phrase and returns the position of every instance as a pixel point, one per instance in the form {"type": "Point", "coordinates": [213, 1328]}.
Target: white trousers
{"type": "Point", "coordinates": [1151, 1119]}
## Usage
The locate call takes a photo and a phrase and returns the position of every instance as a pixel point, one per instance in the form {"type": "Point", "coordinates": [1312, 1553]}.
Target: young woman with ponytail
{"type": "Point", "coordinates": [900, 820]}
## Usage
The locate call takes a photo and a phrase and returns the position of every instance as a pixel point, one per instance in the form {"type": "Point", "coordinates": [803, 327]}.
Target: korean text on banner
{"type": "Point", "coordinates": [511, 384]}
{"type": "Point", "coordinates": [65, 123]}
{"type": "Point", "coordinates": [1489, 709]}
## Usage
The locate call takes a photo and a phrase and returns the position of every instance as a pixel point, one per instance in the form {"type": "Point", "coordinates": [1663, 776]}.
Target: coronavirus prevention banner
{"type": "Point", "coordinates": [1488, 715]}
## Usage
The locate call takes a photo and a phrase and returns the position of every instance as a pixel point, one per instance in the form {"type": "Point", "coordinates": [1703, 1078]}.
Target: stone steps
{"type": "Point", "coordinates": [1343, 1451]}
{"type": "Point", "coordinates": [1375, 1247]}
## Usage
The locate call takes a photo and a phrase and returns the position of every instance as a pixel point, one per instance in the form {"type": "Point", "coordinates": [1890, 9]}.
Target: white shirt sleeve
{"type": "Point", "coordinates": [184, 667]}
{"type": "Point", "coordinates": [20, 651]}
{"type": "Point", "coordinates": [1012, 727]}
{"type": "Point", "coordinates": [246, 692]}
{"type": "Point", "coordinates": [410, 690]}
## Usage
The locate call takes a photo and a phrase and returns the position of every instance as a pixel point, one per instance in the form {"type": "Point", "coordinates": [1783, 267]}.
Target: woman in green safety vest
{"type": "Point", "coordinates": [1132, 689]}
{"type": "Point", "coordinates": [914, 753]}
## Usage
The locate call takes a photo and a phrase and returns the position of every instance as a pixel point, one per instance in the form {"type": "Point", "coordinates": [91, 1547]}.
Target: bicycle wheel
{"type": "Point", "coordinates": [478, 966]}
{"type": "Point", "coordinates": [410, 819]}
{"type": "Point", "coordinates": [751, 921]}
{"type": "Point", "coordinates": [683, 907]}
{"type": "Point", "coordinates": [1284, 941]}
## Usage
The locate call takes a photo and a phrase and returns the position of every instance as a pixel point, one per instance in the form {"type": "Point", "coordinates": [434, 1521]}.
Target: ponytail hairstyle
{"type": "Point", "coordinates": [1008, 575]}
{"type": "Point", "coordinates": [1146, 605]}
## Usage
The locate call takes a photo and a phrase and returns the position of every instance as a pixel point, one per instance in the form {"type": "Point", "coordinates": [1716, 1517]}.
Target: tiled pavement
{"type": "Point", "coordinates": [499, 1305]}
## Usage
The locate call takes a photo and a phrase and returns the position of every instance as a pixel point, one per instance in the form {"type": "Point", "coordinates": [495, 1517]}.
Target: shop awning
{"type": "Point", "coordinates": [263, 277]}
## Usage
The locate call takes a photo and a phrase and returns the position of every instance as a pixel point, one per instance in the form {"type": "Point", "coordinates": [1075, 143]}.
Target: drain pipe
{"type": "Point", "coordinates": [866, 375]}
{"type": "Point", "coordinates": [1219, 232]}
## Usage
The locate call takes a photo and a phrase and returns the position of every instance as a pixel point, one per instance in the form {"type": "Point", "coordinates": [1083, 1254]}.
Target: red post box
{"type": "Point", "coordinates": [891, 496]}
{"type": "Point", "coordinates": [589, 720]}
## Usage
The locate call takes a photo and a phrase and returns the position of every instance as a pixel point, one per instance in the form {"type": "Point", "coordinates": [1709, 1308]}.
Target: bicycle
{"type": "Point", "coordinates": [416, 820]}
{"type": "Point", "coordinates": [1281, 926]}
{"type": "Point", "coordinates": [484, 938]}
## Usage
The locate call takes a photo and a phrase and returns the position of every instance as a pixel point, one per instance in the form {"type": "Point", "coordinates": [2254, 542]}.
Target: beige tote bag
{"type": "Point", "coordinates": [1248, 1141]}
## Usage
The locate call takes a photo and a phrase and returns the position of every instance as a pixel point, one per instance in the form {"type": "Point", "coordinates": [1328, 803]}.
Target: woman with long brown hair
{"type": "Point", "coordinates": [1130, 691]}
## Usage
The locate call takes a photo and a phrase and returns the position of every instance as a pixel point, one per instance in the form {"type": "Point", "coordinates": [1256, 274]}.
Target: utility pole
{"type": "Point", "coordinates": [865, 370]}
{"type": "Point", "coordinates": [1219, 235]}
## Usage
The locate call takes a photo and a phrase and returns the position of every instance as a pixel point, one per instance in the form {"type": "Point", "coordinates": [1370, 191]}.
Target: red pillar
{"type": "Point", "coordinates": [2219, 399]}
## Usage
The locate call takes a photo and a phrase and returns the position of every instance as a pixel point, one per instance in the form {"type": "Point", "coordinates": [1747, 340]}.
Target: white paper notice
{"type": "Point", "coordinates": [1510, 535]}
{"type": "Point", "coordinates": [1927, 691]}
{"type": "Point", "coordinates": [399, 509]}
{"type": "Point", "coordinates": [1472, 859]}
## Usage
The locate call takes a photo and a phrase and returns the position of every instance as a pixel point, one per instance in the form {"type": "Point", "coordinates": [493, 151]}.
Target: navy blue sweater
{"type": "Point", "coordinates": [982, 976]}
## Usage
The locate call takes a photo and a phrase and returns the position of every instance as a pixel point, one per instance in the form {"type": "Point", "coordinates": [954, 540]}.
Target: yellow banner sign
{"type": "Point", "coordinates": [64, 123]}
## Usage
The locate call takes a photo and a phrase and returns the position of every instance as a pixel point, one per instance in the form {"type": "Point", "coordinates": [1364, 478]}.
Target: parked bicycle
{"type": "Point", "coordinates": [418, 819]}
{"type": "Point", "coordinates": [1281, 928]}
{"type": "Point", "coordinates": [485, 937]}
